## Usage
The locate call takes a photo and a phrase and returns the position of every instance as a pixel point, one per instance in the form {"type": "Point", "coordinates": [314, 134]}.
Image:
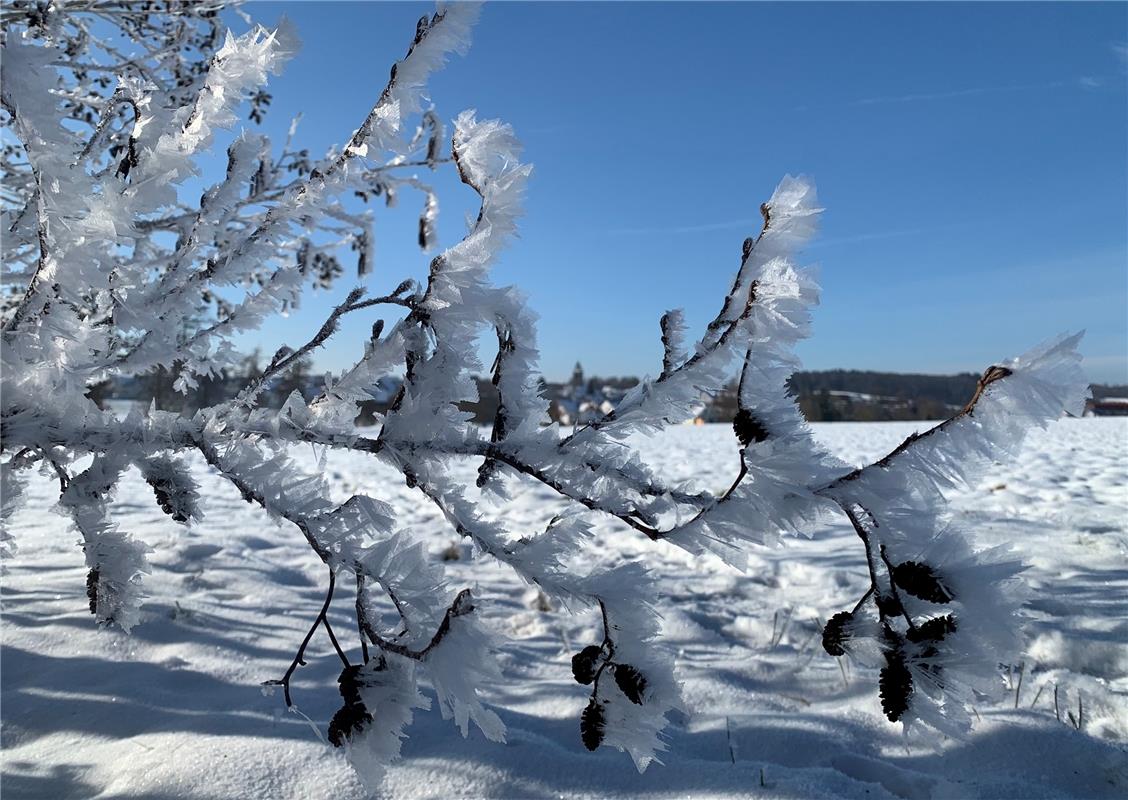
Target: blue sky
{"type": "Point", "coordinates": [972, 158]}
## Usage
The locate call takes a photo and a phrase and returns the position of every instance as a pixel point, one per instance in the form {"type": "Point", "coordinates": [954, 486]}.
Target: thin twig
{"type": "Point", "coordinates": [299, 657]}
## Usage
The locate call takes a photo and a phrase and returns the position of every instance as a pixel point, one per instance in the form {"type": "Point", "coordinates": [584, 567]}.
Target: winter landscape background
{"type": "Point", "coordinates": [978, 195]}
{"type": "Point", "coordinates": [175, 710]}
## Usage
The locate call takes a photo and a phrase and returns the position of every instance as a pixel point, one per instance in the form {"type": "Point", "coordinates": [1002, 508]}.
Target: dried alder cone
{"type": "Point", "coordinates": [631, 682]}
{"type": "Point", "coordinates": [174, 490]}
{"type": "Point", "coordinates": [592, 722]}
{"type": "Point", "coordinates": [888, 604]}
{"type": "Point", "coordinates": [583, 664]}
{"type": "Point", "coordinates": [927, 637]}
{"type": "Point", "coordinates": [352, 717]}
{"type": "Point", "coordinates": [835, 633]}
{"type": "Point", "coordinates": [92, 589]}
{"type": "Point", "coordinates": [748, 429]}
{"type": "Point", "coordinates": [920, 580]}
{"type": "Point", "coordinates": [933, 630]}
{"type": "Point", "coordinates": [165, 501]}
{"type": "Point", "coordinates": [116, 269]}
{"type": "Point", "coordinates": [895, 681]}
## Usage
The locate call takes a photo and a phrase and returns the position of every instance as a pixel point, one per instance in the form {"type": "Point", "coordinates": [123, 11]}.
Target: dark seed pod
{"type": "Point", "coordinates": [631, 682]}
{"type": "Point", "coordinates": [486, 472]}
{"type": "Point", "coordinates": [172, 486]}
{"type": "Point", "coordinates": [895, 683]}
{"type": "Point", "coordinates": [421, 28]}
{"type": "Point", "coordinates": [921, 581]}
{"type": "Point", "coordinates": [433, 149]}
{"type": "Point", "coordinates": [349, 720]}
{"type": "Point", "coordinates": [933, 630]}
{"type": "Point", "coordinates": [282, 352]}
{"type": "Point", "coordinates": [360, 244]}
{"type": "Point", "coordinates": [583, 664]}
{"type": "Point", "coordinates": [92, 589]}
{"type": "Point", "coordinates": [896, 686]}
{"type": "Point", "coordinates": [748, 429]}
{"type": "Point", "coordinates": [348, 684]}
{"type": "Point", "coordinates": [835, 634]}
{"type": "Point", "coordinates": [889, 605]}
{"type": "Point", "coordinates": [591, 725]}
{"type": "Point", "coordinates": [165, 501]}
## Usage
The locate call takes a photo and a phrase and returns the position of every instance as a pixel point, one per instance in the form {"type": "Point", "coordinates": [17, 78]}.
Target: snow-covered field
{"type": "Point", "coordinates": [176, 709]}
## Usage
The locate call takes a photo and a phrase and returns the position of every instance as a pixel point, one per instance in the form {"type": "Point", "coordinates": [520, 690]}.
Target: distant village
{"type": "Point", "coordinates": [824, 396]}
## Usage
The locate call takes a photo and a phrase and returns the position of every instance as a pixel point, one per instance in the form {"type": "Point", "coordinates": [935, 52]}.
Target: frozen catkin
{"type": "Point", "coordinates": [114, 268]}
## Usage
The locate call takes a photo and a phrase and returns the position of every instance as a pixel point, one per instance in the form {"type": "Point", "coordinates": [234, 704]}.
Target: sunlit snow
{"type": "Point", "coordinates": [176, 708]}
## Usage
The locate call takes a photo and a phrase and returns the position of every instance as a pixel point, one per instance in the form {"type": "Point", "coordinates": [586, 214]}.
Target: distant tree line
{"type": "Point", "coordinates": [835, 395]}
{"type": "Point", "coordinates": [951, 390]}
{"type": "Point", "coordinates": [865, 396]}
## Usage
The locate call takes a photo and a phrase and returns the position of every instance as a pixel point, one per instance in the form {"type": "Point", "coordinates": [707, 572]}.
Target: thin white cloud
{"type": "Point", "coordinates": [747, 224]}
{"type": "Point", "coordinates": [969, 92]}
{"type": "Point", "coordinates": [1086, 81]}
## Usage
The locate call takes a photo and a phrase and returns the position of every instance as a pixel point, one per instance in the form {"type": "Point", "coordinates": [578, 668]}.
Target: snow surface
{"type": "Point", "coordinates": [176, 708]}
